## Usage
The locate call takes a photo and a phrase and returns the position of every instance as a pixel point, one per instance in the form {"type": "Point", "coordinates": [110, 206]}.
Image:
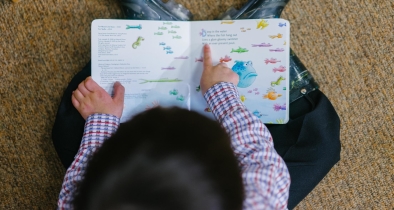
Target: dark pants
{"type": "Point", "coordinates": [309, 142]}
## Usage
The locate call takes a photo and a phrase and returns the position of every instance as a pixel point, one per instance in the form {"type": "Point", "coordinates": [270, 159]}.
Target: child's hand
{"type": "Point", "coordinates": [89, 98]}
{"type": "Point", "coordinates": [215, 74]}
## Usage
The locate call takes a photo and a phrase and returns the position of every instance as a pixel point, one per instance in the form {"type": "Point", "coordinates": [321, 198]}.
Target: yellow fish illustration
{"type": "Point", "coordinates": [262, 24]}
{"type": "Point", "coordinates": [276, 36]}
{"type": "Point", "coordinates": [243, 98]}
{"type": "Point", "coordinates": [227, 22]}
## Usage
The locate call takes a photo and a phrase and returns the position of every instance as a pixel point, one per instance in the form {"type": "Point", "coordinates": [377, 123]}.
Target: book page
{"type": "Point", "coordinates": [160, 62]}
{"type": "Point", "coordinates": [258, 51]}
{"type": "Point", "coordinates": [149, 58]}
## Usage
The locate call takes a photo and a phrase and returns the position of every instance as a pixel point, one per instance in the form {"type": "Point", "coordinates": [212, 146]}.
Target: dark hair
{"type": "Point", "coordinates": [163, 159]}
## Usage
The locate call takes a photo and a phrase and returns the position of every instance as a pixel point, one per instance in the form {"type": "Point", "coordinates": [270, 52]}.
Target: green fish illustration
{"type": "Point", "coordinates": [162, 28]}
{"type": "Point", "coordinates": [180, 98]}
{"type": "Point", "coordinates": [175, 26]}
{"type": "Point", "coordinates": [160, 80]}
{"type": "Point", "coordinates": [167, 23]}
{"type": "Point", "coordinates": [177, 37]}
{"type": "Point", "coordinates": [239, 50]}
{"type": "Point", "coordinates": [158, 33]}
{"type": "Point", "coordinates": [174, 92]}
{"type": "Point", "coordinates": [277, 82]}
{"type": "Point", "coordinates": [172, 32]}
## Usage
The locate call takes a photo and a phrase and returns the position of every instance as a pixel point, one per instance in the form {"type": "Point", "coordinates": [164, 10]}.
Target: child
{"type": "Point", "coordinates": [174, 158]}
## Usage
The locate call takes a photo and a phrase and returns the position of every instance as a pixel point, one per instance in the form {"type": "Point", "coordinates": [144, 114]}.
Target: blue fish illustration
{"type": "Point", "coordinates": [167, 48]}
{"type": "Point", "coordinates": [131, 27]}
{"type": "Point", "coordinates": [162, 43]}
{"type": "Point", "coordinates": [247, 74]}
{"type": "Point", "coordinates": [169, 52]}
{"type": "Point", "coordinates": [282, 24]}
{"type": "Point", "coordinates": [257, 114]}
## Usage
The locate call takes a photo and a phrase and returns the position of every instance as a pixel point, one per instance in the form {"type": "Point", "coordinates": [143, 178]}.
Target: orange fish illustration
{"type": "Point", "coordinates": [225, 59]}
{"type": "Point", "coordinates": [271, 94]}
{"type": "Point", "coordinates": [276, 36]}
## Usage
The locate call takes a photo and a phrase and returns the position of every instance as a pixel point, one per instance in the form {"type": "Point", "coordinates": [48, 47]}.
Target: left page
{"type": "Point", "coordinates": [149, 58]}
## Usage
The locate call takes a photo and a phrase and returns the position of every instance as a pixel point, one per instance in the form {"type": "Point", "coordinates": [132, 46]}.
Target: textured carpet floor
{"type": "Point", "coordinates": [347, 45]}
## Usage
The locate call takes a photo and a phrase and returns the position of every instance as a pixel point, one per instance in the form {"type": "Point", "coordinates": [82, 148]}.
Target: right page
{"type": "Point", "coordinates": [258, 51]}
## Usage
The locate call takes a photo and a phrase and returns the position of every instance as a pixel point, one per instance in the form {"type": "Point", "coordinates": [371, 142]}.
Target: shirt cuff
{"type": "Point", "coordinates": [99, 127]}
{"type": "Point", "coordinates": [223, 99]}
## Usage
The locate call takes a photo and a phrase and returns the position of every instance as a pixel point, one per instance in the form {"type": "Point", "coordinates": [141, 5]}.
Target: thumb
{"type": "Point", "coordinates": [118, 93]}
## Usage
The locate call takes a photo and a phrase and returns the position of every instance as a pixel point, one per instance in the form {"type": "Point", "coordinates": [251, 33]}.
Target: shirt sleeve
{"type": "Point", "coordinates": [98, 127]}
{"type": "Point", "coordinates": [265, 175]}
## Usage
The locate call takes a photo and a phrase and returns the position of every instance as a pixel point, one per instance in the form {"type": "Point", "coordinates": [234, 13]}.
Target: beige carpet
{"type": "Point", "coordinates": [346, 44]}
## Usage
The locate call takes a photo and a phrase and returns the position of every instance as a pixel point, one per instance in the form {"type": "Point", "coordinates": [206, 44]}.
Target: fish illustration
{"type": "Point", "coordinates": [177, 37]}
{"type": "Point", "coordinates": [158, 33]}
{"type": "Point", "coordinates": [162, 28]}
{"type": "Point", "coordinates": [199, 59]}
{"type": "Point", "coordinates": [154, 104]}
{"type": "Point", "coordinates": [256, 93]}
{"type": "Point", "coordinates": [243, 30]}
{"type": "Point", "coordinates": [182, 57]}
{"type": "Point", "coordinates": [175, 26]}
{"type": "Point", "coordinates": [169, 52]}
{"type": "Point", "coordinates": [276, 36]}
{"type": "Point", "coordinates": [279, 69]}
{"type": "Point", "coordinates": [272, 60]}
{"type": "Point", "coordinates": [160, 80]}
{"type": "Point", "coordinates": [278, 107]}
{"type": "Point", "coordinates": [277, 82]}
{"type": "Point", "coordinates": [136, 27]}
{"type": "Point", "coordinates": [203, 33]}
{"type": "Point", "coordinates": [180, 98]}
{"type": "Point", "coordinates": [167, 23]}
{"type": "Point", "coordinates": [271, 94]}
{"type": "Point", "coordinates": [207, 109]}
{"type": "Point", "coordinates": [138, 42]}
{"type": "Point", "coordinates": [277, 50]}
{"type": "Point", "coordinates": [167, 48]}
{"type": "Point", "coordinates": [198, 88]}
{"type": "Point", "coordinates": [249, 91]}
{"type": "Point", "coordinates": [162, 43]}
{"type": "Point", "coordinates": [248, 29]}
{"type": "Point", "coordinates": [247, 74]}
{"type": "Point", "coordinates": [239, 50]}
{"type": "Point", "coordinates": [255, 89]}
{"type": "Point", "coordinates": [257, 114]}
{"type": "Point", "coordinates": [282, 24]}
{"type": "Point", "coordinates": [262, 45]}
{"type": "Point", "coordinates": [168, 68]}
{"type": "Point", "coordinates": [172, 32]}
{"type": "Point", "coordinates": [262, 24]}
{"type": "Point", "coordinates": [225, 59]}
{"type": "Point", "coordinates": [174, 92]}
{"type": "Point", "coordinates": [227, 22]}
{"type": "Point", "coordinates": [243, 98]}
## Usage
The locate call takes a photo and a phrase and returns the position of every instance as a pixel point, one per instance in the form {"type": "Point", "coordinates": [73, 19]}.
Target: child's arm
{"type": "Point", "coordinates": [265, 175]}
{"type": "Point", "coordinates": [102, 114]}
{"type": "Point", "coordinates": [98, 128]}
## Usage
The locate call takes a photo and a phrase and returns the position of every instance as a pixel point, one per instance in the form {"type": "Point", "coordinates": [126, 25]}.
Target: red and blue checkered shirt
{"type": "Point", "coordinates": [264, 173]}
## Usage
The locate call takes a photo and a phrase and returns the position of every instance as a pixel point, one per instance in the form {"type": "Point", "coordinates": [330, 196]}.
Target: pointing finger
{"type": "Point", "coordinates": [207, 56]}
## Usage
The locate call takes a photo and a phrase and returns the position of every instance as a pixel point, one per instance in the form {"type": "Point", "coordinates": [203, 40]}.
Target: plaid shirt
{"type": "Point", "coordinates": [265, 175]}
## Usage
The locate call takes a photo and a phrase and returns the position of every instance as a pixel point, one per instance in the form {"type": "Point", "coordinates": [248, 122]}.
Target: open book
{"type": "Point", "coordinates": [160, 62]}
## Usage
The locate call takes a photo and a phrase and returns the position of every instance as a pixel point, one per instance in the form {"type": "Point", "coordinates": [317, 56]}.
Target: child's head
{"type": "Point", "coordinates": [163, 159]}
